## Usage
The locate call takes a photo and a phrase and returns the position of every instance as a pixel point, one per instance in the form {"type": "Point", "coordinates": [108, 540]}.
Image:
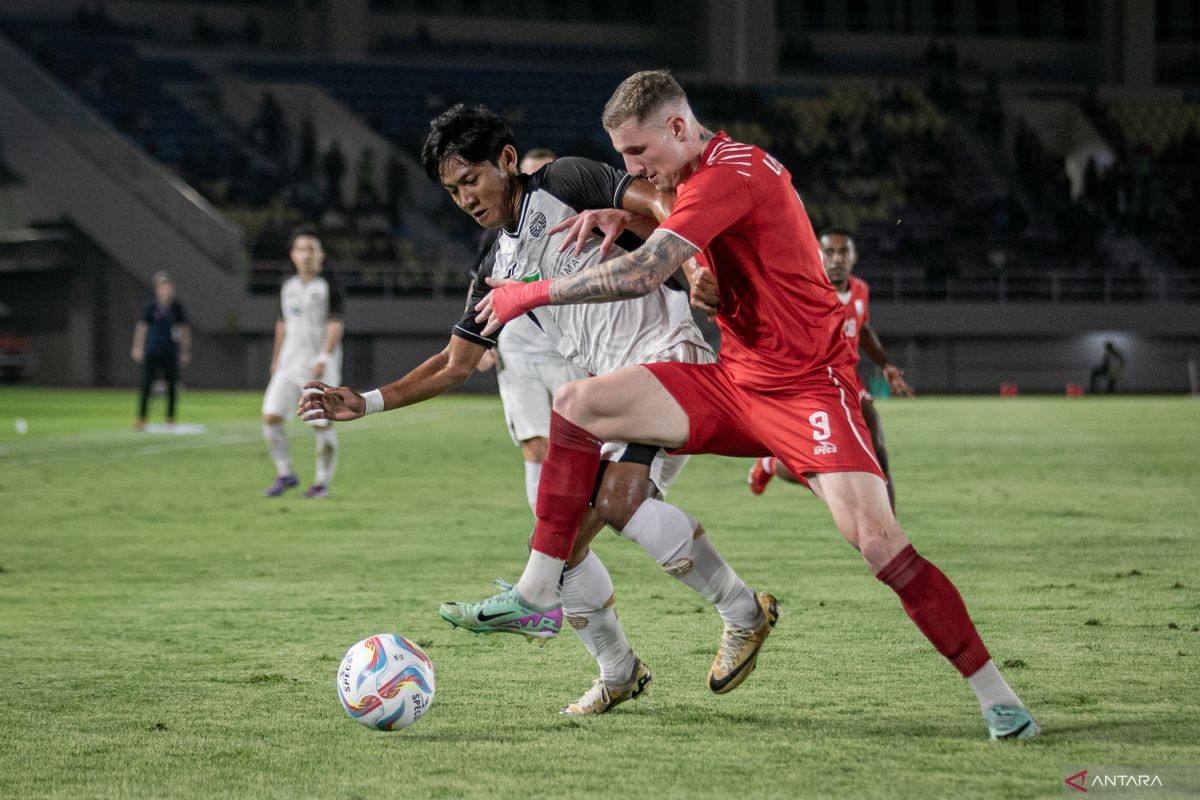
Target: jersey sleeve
{"type": "Point", "coordinates": [336, 301]}
{"type": "Point", "coordinates": [148, 313]}
{"type": "Point", "coordinates": [709, 203]}
{"type": "Point", "coordinates": [466, 327]}
{"type": "Point", "coordinates": [582, 183]}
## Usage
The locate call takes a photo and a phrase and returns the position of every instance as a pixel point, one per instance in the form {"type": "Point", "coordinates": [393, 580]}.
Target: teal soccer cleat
{"type": "Point", "coordinates": [506, 612]}
{"type": "Point", "coordinates": [1010, 722]}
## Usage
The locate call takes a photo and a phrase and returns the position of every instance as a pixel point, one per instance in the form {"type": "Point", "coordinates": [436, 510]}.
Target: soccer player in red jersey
{"type": "Point", "coordinates": [785, 383]}
{"type": "Point", "coordinates": [839, 256]}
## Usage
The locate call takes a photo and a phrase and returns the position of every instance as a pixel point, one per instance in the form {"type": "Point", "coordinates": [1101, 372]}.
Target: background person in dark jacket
{"type": "Point", "coordinates": [162, 343]}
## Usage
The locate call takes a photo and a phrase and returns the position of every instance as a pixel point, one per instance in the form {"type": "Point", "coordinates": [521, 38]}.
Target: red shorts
{"type": "Point", "coordinates": [814, 425]}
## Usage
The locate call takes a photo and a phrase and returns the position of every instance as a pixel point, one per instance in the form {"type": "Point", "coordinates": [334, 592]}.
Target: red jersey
{"type": "Point", "coordinates": [780, 318]}
{"type": "Point", "coordinates": [855, 300]}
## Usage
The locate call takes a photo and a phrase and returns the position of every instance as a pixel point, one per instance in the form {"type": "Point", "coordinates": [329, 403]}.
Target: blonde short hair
{"type": "Point", "coordinates": [640, 95]}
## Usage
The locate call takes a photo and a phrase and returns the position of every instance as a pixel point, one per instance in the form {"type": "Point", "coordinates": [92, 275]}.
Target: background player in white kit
{"type": "Point", "coordinates": [308, 346]}
{"type": "Point", "coordinates": [528, 368]}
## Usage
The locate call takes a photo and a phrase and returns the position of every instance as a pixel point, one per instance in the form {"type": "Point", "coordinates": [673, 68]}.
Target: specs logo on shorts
{"type": "Point", "coordinates": [825, 449]}
{"type": "Point", "coordinates": [537, 225]}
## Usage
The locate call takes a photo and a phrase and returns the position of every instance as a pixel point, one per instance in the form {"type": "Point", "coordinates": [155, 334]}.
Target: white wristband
{"type": "Point", "coordinates": [374, 400]}
{"type": "Point", "coordinates": [323, 358]}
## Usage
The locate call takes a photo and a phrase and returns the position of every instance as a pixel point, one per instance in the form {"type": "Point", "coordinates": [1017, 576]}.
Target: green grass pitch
{"type": "Point", "coordinates": [165, 631]}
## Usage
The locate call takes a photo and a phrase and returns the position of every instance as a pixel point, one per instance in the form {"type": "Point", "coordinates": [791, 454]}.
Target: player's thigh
{"type": "Point", "coordinates": [858, 502]}
{"type": "Point", "coordinates": [281, 397]}
{"type": "Point", "coordinates": [627, 405]}
{"type": "Point", "coordinates": [526, 403]}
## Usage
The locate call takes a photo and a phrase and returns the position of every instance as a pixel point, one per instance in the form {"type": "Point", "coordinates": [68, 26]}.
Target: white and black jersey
{"type": "Point", "coordinates": [306, 307]}
{"type": "Point", "coordinates": [598, 337]}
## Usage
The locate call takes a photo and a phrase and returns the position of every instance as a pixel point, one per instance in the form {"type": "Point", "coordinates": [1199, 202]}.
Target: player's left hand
{"type": "Point", "coordinates": [611, 222]}
{"type": "Point", "coordinates": [322, 401]}
{"type": "Point", "coordinates": [508, 300]}
{"type": "Point", "coordinates": [705, 294]}
{"type": "Point", "coordinates": [895, 378]}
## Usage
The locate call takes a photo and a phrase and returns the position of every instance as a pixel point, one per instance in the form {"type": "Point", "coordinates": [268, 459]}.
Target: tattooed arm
{"type": "Point", "coordinates": [632, 275]}
{"type": "Point", "coordinates": [635, 274]}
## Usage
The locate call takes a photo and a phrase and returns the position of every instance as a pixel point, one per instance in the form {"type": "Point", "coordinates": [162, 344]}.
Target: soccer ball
{"type": "Point", "coordinates": [385, 682]}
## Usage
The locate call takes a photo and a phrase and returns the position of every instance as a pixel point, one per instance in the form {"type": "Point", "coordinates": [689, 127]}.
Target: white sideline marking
{"type": "Point", "coordinates": [127, 443]}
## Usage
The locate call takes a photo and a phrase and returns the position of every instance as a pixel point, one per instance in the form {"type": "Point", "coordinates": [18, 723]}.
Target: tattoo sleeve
{"type": "Point", "coordinates": [634, 274]}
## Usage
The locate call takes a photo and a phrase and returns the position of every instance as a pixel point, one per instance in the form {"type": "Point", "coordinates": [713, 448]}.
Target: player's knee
{"type": "Point", "coordinates": [534, 450]}
{"type": "Point", "coordinates": [616, 510]}
{"type": "Point", "coordinates": [571, 401]}
{"type": "Point", "coordinates": [880, 542]}
{"type": "Point", "coordinates": [619, 499]}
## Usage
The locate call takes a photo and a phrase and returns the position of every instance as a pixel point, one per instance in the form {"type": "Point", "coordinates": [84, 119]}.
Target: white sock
{"type": "Point", "coordinates": [327, 454]}
{"type": "Point", "coordinates": [277, 443]}
{"type": "Point", "coordinates": [665, 532]}
{"type": "Point", "coordinates": [768, 464]}
{"type": "Point", "coordinates": [533, 474]}
{"type": "Point", "coordinates": [587, 601]}
{"type": "Point", "coordinates": [539, 582]}
{"type": "Point", "coordinates": [991, 688]}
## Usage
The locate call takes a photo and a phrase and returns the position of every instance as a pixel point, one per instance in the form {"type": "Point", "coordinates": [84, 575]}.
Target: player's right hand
{"type": "Point", "coordinates": [610, 221]}
{"type": "Point", "coordinates": [335, 403]}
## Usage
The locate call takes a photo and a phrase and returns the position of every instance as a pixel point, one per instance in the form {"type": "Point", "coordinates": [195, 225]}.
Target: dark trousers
{"type": "Point", "coordinates": [1102, 373]}
{"type": "Point", "coordinates": [151, 366]}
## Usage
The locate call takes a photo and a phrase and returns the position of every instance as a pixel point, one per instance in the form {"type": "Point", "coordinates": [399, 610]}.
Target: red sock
{"type": "Point", "coordinates": [565, 488]}
{"type": "Point", "coordinates": [937, 608]}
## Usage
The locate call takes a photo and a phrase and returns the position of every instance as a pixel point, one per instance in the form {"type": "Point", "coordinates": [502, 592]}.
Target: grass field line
{"type": "Point", "coordinates": [83, 446]}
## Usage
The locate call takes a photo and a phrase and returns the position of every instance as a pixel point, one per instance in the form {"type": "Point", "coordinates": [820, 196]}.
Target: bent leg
{"type": "Point", "coordinates": [609, 404]}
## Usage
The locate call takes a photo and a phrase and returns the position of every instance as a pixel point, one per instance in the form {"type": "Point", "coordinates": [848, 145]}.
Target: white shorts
{"type": "Point", "coordinates": [283, 393]}
{"type": "Point", "coordinates": [664, 469]}
{"type": "Point", "coordinates": [526, 390]}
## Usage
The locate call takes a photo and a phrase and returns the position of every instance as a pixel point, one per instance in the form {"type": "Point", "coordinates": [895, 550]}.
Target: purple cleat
{"type": "Point", "coordinates": [317, 491]}
{"type": "Point", "coordinates": [281, 485]}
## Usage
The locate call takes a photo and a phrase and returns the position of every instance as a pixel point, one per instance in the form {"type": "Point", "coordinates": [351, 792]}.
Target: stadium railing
{"type": "Point", "coordinates": [1034, 287]}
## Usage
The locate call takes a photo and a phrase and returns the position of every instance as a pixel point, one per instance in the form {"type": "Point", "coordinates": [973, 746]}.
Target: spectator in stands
{"type": "Point", "coordinates": [272, 129]}
{"type": "Point", "coordinates": [397, 187]}
{"type": "Point", "coordinates": [333, 164]}
{"type": "Point", "coordinates": [202, 30]}
{"type": "Point", "coordinates": [162, 343]}
{"type": "Point", "coordinates": [366, 196]}
{"type": "Point", "coordinates": [252, 32]}
{"type": "Point", "coordinates": [1109, 369]}
{"type": "Point", "coordinates": [306, 154]}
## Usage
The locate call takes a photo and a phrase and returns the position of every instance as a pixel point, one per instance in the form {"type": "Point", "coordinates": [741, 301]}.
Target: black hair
{"type": "Point", "coordinates": [835, 232]}
{"type": "Point", "coordinates": [307, 229]}
{"type": "Point", "coordinates": [473, 133]}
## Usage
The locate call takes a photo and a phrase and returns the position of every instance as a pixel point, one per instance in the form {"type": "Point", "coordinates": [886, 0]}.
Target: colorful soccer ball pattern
{"type": "Point", "coordinates": [385, 682]}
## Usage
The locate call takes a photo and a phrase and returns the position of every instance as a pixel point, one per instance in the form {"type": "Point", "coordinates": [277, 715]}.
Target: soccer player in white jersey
{"type": "Point", "coordinates": [470, 152]}
{"type": "Point", "coordinates": [528, 368]}
{"type": "Point", "coordinates": [308, 346]}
